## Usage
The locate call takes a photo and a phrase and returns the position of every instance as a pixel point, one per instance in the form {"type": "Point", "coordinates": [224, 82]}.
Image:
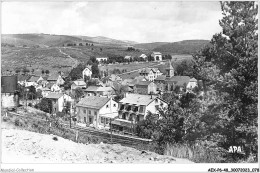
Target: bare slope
{"type": "Point", "coordinates": [20, 146]}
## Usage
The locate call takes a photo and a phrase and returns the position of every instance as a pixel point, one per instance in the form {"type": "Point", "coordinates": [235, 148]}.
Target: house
{"type": "Point", "coordinates": [86, 72]}
{"type": "Point", "coordinates": [99, 91]}
{"type": "Point", "coordinates": [150, 73]}
{"type": "Point", "coordinates": [134, 108]}
{"type": "Point", "coordinates": [34, 81]}
{"type": "Point", "coordinates": [78, 84]}
{"type": "Point", "coordinates": [145, 87]}
{"type": "Point", "coordinates": [22, 79]}
{"type": "Point", "coordinates": [100, 59]}
{"type": "Point", "coordinates": [192, 83]}
{"type": "Point", "coordinates": [59, 101]}
{"type": "Point", "coordinates": [9, 94]}
{"type": "Point", "coordinates": [143, 56]}
{"type": "Point", "coordinates": [53, 87]}
{"type": "Point", "coordinates": [45, 91]}
{"type": "Point", "coordinates": [99, 111]}
{"type": "Point", "coordinates": [128, 57]}
{"type": "Point", "coordinates": [157, 56]}
{"type": "Point", "coordinates": [56, 78]}
{"type": "Point", "coordinates": [115, 78]}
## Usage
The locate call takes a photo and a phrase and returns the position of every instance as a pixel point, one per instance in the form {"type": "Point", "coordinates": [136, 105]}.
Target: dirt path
{"type": "Point", "coordinates": [73, 59]}
{"type": "Point", "coordinates": [20, 146]}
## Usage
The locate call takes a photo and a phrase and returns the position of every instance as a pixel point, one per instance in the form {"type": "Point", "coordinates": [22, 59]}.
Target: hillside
{"type": "Point", "coordinates": [21, 146]}
{"type": "Point", "coordinates": [46, 40]}
{"type": "Point", "coordinates": [107, 41]}
{"type": "Point", "coordinates": [182, 47]}
{"type": "Point", "coordinates": [149, 46]}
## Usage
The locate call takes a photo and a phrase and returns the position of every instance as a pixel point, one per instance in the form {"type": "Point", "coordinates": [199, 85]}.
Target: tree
{"type": "Point", "coordinates": [43, 72]}
{"type": "Point", "coordinates": [76, 73]}
{"type": "Point", "coordinates": [229, 66]}
{"type": "Point", "coordinates": [78, 93]}
{"type": "Point", "coordinates": [47, 72]}
{"type": "Point", "coordinates": [80, 44]}
{"type": "Point", "coordinates": [45, 105]}
{"type": "Point", "coordinates": [120, 90]}
{"type": "Point", "coordinates": [95, 71]}
{"type": "Point", "coordinates": [39, 93]}
{"type": "Point", "coordinates": [17, 71]}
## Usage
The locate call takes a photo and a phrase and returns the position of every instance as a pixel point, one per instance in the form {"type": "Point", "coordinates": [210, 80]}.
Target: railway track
{"type": "Point", "coordinates": [111, 138]}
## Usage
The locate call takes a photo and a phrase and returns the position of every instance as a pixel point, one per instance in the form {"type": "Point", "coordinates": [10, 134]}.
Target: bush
{"type": "Point", "coordinates": [17, 122]}
{"type": "Point", "coordinates": [30, 104]}
{"type": "Point", "coordinates": [196, 153]}
{"type": "Point", "coordinates": [55, 138]}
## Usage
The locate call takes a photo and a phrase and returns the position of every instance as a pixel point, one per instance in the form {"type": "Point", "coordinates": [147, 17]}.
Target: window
{"type": "Point", "coordinates": [85, 120]}
{"type": "Point", "coordinates": [123, 116]}
{"type": "Point", "coordinates": [107, 120]}
{"type": "Point", "coordinates": [84, 111]}
{"type": "Point", "coordinates": [141, 109]}
{"type": "Point", "coordinates": [89, 112]}
{"type": "Point", "coordinates": [107, 106]}
{"type": "Point", "coordinates": [102, 120]}
{"type": "Point", "coordinates": [156, 100]}
{"type": "Point", "coordinates": [95, 112]}
{"type": "Point", "coordinates": [114, 105]}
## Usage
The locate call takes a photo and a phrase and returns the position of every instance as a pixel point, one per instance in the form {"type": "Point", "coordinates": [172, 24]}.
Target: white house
{"type": "Point", "coordinates": [59, 101]}
{"type": "Point", "coordinates": [143, 56]}
{"type": "Point", "coordinates": [134, 108]}
{"type": "Point", "coordinates": [98, 111]}
{"type": "Point", "coordinates": [53, 87]}
{"type": "Point", "coordinates": [192, 83]}
{"type": "Point", "coordinates": [127, 57]}
{"type": "Point", "coordinates": [157, 56]}
{"type": "Point", "coordinates": [86, 72]}
{"type": "Point", "coordinates": [45, 92]}
{"type": "Point", "coordinates": [102, 59]}
{"type": "Point", "coordinates": [150, 73]}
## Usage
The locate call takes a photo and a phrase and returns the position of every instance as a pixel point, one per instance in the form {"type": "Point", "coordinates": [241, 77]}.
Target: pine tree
{"type": "Point", "coordinates": [229, 66]}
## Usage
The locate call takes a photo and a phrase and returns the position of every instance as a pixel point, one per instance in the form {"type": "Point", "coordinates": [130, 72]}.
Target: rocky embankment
{"type": "Point", "coordinates": [21, 146]}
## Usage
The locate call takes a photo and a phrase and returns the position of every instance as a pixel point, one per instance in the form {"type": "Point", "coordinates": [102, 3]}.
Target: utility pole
{"type": "Point", "coordinates": [111, 131]}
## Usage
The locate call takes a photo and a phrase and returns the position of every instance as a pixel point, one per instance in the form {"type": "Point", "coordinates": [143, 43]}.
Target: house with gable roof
{"type": "Point", "coordinates": [78, 84]}
{"type": "Point", "coordinates": [98, 111]}
{"type": "Point", "coordinates": [145, 87]}
{"type": "Point", "coordinates": [150, 73]}
{"type": "Point", "coordinates": [56, 78]}
{"type": "Point", "coordinates": [59, 101]}
{"type": "Point", "coordinates": [134, 108]}
{"type": "Point", "coordinates": [157, 56]}
{"type": "Point", "coordinates": [87, 72]}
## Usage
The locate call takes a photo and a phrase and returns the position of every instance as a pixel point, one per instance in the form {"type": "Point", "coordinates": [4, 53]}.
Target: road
{"type": "Point", "coordinates": [73, 59]}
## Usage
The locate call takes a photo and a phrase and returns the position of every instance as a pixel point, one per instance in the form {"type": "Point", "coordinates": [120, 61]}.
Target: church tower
{"type": "Point", "coordinates": [169, 70]}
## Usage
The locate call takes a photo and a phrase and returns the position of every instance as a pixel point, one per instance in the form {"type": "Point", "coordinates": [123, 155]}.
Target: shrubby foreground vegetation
{"type": "Point", "coordinates": [203, 125]}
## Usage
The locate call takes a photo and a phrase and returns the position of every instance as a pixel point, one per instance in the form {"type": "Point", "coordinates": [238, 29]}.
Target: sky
{"type": "Point", "coordinates": [142, 22]}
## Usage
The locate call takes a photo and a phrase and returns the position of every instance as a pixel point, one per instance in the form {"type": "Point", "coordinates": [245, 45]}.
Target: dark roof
{"type": "Point", "coordinates": [23, 77]}
{"type": "Point", "coordinates": [53, 77]}
{"type": "Point", "coordinates": [92, 88]}
{"type": "Point", "coordinates": [34, 79]}
{"type": "Point", "coordinates": [160, 78]}
{"type": "Point", "coordinates": [179, 80]}
{"type": "Point", "coordinates": [93, 102]}
{"type": "Point", "coordinates": [146, 83]}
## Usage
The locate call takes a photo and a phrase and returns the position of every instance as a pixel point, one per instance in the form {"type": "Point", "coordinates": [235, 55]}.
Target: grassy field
{"type": "Point", "coordinates": [35, 58]}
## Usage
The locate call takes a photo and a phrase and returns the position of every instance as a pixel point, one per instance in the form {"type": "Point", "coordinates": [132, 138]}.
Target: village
{"type": "Point", "coordinates": [114, 102]}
